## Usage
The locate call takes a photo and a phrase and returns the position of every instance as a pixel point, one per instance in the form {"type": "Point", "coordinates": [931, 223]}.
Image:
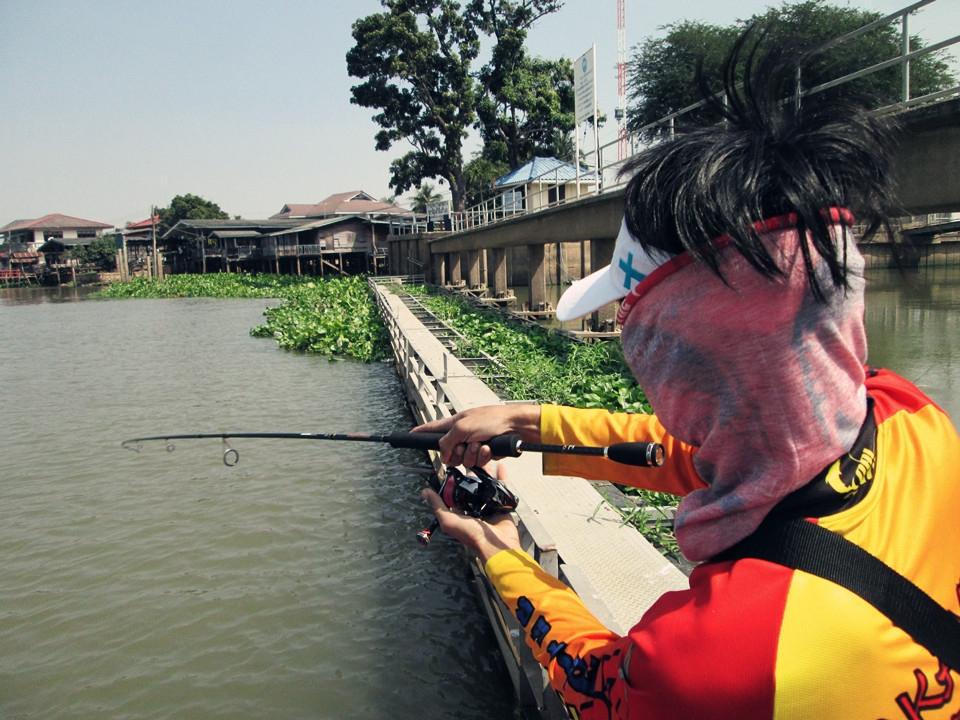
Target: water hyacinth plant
{"type": "Point", "coordinates": [214, 285]}
{"type": "Point", "coordinates": [333, 317]}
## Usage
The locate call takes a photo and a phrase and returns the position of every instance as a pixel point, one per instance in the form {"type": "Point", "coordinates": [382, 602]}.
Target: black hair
{"type": "Point", "coordinates": [771, 153]}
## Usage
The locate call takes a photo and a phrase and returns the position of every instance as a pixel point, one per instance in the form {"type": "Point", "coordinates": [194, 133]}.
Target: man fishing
{"type": "Point", "coordinates": [742, 304]}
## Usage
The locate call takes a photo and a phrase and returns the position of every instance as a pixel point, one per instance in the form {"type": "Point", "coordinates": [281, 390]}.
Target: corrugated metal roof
{"type": "Point", "coordinates": [230, 234]}
{"type": "Point", "coordinates": [142, 224]}
{"type": "Point", "coordinates": [313, 225]}
{"type": "Point", "coordinates": [259, 225]}
{"type": "Point", "coordinates": [547, 169]}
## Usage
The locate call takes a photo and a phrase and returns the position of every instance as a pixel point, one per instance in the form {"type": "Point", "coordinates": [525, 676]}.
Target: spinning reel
{"type": "Point", "coordinates": [476, 494]}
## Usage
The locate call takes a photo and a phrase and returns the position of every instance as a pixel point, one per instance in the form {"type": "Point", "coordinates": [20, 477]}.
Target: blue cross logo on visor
{"type": "Point", "coordinates": [631, 274]}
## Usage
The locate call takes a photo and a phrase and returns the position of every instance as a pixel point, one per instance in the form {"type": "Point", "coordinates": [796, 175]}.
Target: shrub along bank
{"type": "Point", "coordinates": [537, 363]}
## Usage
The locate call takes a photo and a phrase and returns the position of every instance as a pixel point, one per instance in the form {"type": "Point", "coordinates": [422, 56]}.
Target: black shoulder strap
{"type": "Point", "coordinates": [803, 545]}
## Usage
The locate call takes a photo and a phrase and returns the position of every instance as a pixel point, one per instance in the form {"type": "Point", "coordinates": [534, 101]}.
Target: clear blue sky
{"type": "Point", "coordinates": [109, 106]}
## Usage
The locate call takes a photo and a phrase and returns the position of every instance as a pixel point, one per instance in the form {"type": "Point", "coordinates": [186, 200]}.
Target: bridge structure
{"type": "Point", "coordinates": [473, 254]}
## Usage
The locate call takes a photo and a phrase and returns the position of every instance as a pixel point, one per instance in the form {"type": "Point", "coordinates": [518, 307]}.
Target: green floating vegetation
{"type": "Point", "coordinates": [213, 285]}
{"type": "Point", "coordinates": [538, 363]}
{"type": "Point", "coordinates": [333, 317]}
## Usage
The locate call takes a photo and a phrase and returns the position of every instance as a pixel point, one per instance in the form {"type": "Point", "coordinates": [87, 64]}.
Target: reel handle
{"type": "Point", "coordinates": [423, 536]}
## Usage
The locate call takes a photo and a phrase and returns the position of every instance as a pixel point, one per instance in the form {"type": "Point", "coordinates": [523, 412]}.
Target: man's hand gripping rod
{"type": "Point", "coordinates": [462, 491]}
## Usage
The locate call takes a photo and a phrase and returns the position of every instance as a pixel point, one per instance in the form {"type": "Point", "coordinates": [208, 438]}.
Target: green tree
{"type": "Point", "coordinates": [526, 106]}
{"type": "Point", "coordinates": [101, 252]}
{"type": "Point", "coordinates": [481, 172]}
{"type": "Point", "coordinates": [660, 76]}
{"type": "Point", "coordinates": [425, 195]}
{"type": "Point", "coordinates": [188, 207]}
{"type": "Point", "coordinates": [661, 73]}
{"type": "Point", "coordinates": [415, 61]}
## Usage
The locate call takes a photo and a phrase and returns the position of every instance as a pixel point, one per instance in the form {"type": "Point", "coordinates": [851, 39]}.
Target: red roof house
{"type": "Point", "coordinates": [354, 202]}
{"type": "Point", "coordinates": [31, 234]}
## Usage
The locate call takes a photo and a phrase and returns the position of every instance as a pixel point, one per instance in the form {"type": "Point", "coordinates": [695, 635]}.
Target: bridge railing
{"type": "Point", "coordinates": [609, 171]}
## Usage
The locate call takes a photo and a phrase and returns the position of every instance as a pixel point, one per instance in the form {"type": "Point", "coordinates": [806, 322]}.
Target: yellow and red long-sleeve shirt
{"type": "Point", "coordinates": [749, 638]}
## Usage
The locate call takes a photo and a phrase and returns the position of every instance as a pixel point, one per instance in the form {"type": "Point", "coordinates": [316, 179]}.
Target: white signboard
{"type": "Point", "coordinates": [438, 209]}
{"type": "Point", "coordinates": [585, 86]}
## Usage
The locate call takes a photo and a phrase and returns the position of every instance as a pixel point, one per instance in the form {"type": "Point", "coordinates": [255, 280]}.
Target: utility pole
{"type": "Point", "coordinates": [153, 228]}
{"type": "Point", "coordinates": [621, 111]}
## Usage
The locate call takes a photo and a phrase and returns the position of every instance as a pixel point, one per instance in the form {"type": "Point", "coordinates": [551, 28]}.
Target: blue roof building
{"type": "Point", "coordinates": [545, 170]}
{"type": "Point", "coordinates": [540, 183]}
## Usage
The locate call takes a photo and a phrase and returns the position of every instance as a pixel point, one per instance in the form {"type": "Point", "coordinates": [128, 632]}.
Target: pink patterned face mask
{"type": "Point", "coordinates": [766, 382]}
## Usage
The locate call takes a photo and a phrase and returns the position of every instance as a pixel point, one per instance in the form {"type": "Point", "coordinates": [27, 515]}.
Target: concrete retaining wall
{"type": "Point", "coordinates": [565, 524]}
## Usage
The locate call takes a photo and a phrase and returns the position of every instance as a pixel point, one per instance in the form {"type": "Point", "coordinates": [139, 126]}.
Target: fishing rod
{"type": "Point", "coordinates": [475, 493]}
{"type": "Point", "coordinates": [639, 454]}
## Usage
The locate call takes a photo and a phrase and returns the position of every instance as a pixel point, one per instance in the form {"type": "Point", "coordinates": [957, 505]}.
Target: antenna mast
{"type": "Point", "coordinates": [621, 111]}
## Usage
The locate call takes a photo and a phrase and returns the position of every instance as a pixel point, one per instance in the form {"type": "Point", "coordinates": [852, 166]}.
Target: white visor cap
{"type": "Point", "coordinates": [631, 264]}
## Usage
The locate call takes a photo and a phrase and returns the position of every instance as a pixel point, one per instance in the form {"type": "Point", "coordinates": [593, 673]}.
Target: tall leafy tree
{"type": "Point", "coordinates": [526, 106]}
{"type": "Point", "coordinates": [660, 76]}
{"type": "Point", "coordinates": [188, 207]}
{"type": "Point", "coordinates": [415, 61]}
{"type": "Point", "coordinates": [661, 73]}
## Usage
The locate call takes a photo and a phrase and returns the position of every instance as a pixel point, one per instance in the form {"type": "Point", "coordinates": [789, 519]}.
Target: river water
{"type": "Point", "coordinates": [166, 585]}
{"type": "Point", "coordinates": [913, 328]}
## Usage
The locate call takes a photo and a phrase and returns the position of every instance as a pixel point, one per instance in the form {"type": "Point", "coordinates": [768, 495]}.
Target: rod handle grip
{"type": "Point", "coordinates": [506, 445]}
{"type": "Point", "coordinates": [416, 441]}
{"type": "Point", "coordinates": [641, 454]}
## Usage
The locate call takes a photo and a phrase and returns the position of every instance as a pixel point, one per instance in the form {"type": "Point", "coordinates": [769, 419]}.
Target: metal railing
{"type": "Point", "coordinates": [409, 225]}
{"type": "Point", "coordinates": [493, 210]}
{"type": "Point", "coordinates": [311, 249]}
{"type": "Point", "coordinates": [294, 250]}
